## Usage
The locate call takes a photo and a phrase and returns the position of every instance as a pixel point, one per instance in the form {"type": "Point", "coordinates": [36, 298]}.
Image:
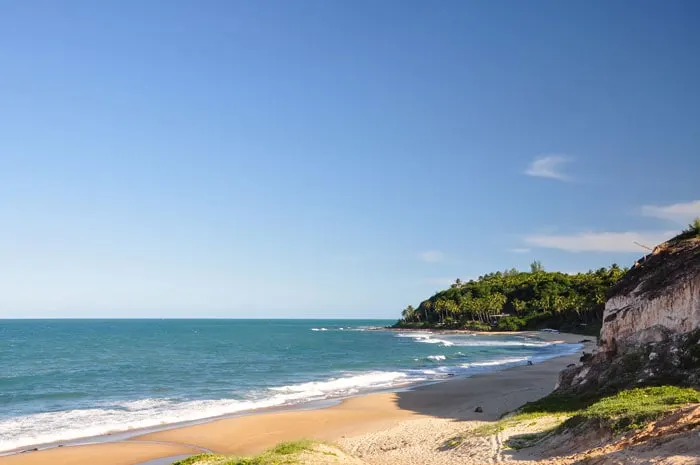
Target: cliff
{"type": "Point", "coordinates": [659, 296]}
{"type": "Point", "coordinates": [651, 326]}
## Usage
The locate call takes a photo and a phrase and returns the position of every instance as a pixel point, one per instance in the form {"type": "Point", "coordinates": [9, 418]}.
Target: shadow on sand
{"type": "Point", "coordinates": [483, 397]}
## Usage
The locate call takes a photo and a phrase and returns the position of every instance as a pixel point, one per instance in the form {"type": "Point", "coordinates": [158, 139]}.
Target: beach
{"type": "Point", "coordinates": [386, 427]}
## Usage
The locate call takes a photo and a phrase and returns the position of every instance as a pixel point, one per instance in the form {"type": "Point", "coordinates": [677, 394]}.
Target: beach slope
{"type": "Point", "coordinates": [419, 419]}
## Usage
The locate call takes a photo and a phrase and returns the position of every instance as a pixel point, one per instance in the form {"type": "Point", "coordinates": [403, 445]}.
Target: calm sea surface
{"type": "Point", "coordinates": [64, 379]}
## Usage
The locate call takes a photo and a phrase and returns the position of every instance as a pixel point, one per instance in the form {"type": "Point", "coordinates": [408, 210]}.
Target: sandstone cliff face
{"type": "Point", "coordinates": [651, 326]}
{"type": "Point", "coordinates": [661, 295]}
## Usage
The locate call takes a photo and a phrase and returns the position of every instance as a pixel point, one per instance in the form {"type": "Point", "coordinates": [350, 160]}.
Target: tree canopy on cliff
{"type": "Point", "coordinates": [514, 300]}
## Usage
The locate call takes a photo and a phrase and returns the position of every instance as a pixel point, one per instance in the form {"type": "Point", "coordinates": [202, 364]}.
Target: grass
{"type": "Point", "coordinates": [452, 443]}
{"type": "Point", "coordinates": [623, 411]}
{"type": "Point", "coordinates": [202, 459]}
{"type": "Point", "coordinates": [284, 453]}
{"type": "Point", "coordinates": [562, 406]}
{"type": "Point", "coordinates": [634, 408]}
{"type": "Point", "coordinates": [691, 232]}
{"type": "Point", "coordinates": [293, 447]}
{"type": "Point", "coordinates": [521, 441]}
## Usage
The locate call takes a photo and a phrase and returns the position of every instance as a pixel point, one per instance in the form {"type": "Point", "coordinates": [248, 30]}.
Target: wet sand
{"type": "Point", "coordinates": [117, 453]}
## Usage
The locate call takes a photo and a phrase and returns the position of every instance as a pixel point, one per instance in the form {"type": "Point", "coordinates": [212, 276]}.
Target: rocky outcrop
{"type": "Point", "coordinates": [651, 326]}
{"type": "Point", "coordinates": [660, 294]}
{"type": "Point", "coordinates": [674, 359]}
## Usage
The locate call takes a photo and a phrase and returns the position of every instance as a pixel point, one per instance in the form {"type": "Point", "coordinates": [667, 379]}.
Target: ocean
{"type": "Point", "coordinates": [67, 379]}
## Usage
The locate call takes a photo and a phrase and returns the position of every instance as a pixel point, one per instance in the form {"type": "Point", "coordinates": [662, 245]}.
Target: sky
{"type": "Point", "coordinates": [332, 158]}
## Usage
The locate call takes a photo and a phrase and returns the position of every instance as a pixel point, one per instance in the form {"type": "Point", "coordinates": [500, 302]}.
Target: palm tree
{"type": "Point", "coordinates": [451, 309]}
{"type": "Point", "coordinates": [427, 308]}
{"type": "Point", "coordinates": [409, 314]}
{"type": "Point", "coordinates": [518, 305]}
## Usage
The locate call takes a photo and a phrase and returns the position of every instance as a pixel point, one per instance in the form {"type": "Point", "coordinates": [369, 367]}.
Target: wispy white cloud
{"type": "Point", "coordinates": [432, 256]}
{"type": "Point", "coordinates": [679, 212]}
{"type": "Point", "coordinates": [549, 166]}
{"type": "Point", "coordinates": [600, 241]}
{"type": "Point", "coordinates": [520, 250]}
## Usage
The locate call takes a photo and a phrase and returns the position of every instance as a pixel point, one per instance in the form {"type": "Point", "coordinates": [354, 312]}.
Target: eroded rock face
{"type": "Point", "coordinates": [659, 297]}
{"type": "Point", "coordinates": [651, 326]}
{"type": "Point", "coordinates": [674, 360]}
{"type": "Point", "coordinates": [636, 320]}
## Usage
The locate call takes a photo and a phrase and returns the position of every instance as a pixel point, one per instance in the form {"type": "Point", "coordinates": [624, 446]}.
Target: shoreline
{"type": "Point", "coordinates": [370, 411]}
{"type": "Point", "coordinates": [527, 333]}
{"type": "Point", "coordinates": [124, 435]}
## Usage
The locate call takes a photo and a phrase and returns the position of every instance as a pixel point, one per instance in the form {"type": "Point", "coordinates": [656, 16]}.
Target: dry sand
{"type": "Point", "coordinates": [405, 427]}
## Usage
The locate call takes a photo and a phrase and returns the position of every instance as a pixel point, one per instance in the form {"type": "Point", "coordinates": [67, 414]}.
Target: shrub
{"type": "Point", "coordinates": [694, 227]}
{"type": "Point", "coordinates": [511, 323]}
{"type": "Point", "coordinates": [538, 320]}
{"type": "Point", "coordinates": [476, 326]}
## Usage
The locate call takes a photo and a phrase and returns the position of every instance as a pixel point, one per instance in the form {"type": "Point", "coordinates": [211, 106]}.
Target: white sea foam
{"type": "Point", "coordinates": [500, 343]}
{"type": "Point", "coordinates": [123, 416]}
{"type": "Point", "coordinates": [414, 335]}
{"type": "Point", "coordinates": [491, 363]}
{"type": "Point", "coordinates": [346, 385]}
{"type": "Point", "coordinates": [437, 358]}
{"type": "Point", "coordinates": [346, 328]}
{"type": "Point", "coordinates": [461, 341]}
{"type": "Point", "coordinates": [466, 369]}
{"type": "Point", "coordinates": [426, 338]}
{"type": "Point", "coordinates": [49, 427]}
{"type": "Point", "coordinates": [144, 404]}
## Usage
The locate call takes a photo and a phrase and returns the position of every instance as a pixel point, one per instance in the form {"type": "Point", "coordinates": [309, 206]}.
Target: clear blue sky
{"type": "Point", "coordinates": [332, 158]}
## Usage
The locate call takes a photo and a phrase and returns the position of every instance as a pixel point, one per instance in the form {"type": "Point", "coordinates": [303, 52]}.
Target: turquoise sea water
{"type": "Point", "coordinates": [65, 379]}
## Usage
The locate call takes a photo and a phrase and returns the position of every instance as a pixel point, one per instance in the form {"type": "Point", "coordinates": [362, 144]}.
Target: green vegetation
{"type": "Point", "coordinates": [629, 409]}
{"type": "Point", "coordinates": [633, 408]}
{"type": "Point", "coordinates": [513, 300]}
{"type": "Point", "coordinates": [521, 441]}
{"type": "Point", "coordinates": [692, 231]}
{"type": "Point", "coordinates": [285, 453]}
{"type": "Point", "coordinates": [201, 459]}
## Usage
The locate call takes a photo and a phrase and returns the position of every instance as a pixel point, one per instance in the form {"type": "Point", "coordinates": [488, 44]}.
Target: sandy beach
{"type": "Point", "coordinates": [393, 427]}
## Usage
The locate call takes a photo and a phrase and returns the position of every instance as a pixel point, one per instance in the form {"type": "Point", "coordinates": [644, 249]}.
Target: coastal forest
{"type": "Point", "coordinates": [515, 300]}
